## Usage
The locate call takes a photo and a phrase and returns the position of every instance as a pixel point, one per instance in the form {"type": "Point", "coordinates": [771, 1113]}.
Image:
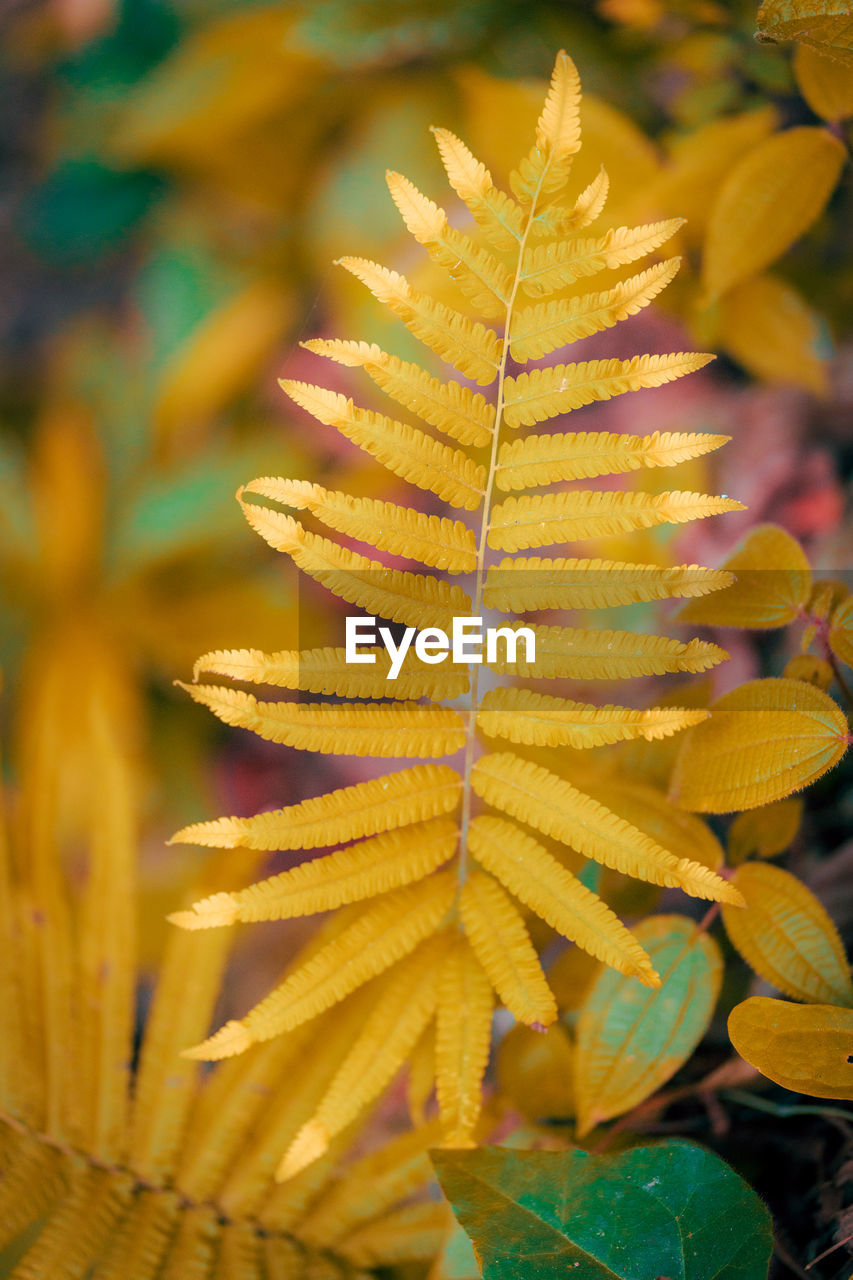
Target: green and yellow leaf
{"type": "Point", "coordinates": [630, 1039]}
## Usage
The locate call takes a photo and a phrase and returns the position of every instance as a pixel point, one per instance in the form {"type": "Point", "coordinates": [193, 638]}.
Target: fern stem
{"type": "Point", "coordinates": [482, 545]}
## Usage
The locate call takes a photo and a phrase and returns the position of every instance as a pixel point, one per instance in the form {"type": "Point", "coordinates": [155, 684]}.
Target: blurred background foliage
{"type": "Point", "coordinates": [178, 181]}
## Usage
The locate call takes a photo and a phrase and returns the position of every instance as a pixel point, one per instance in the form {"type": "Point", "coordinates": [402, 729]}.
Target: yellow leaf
{"type": "Point", "coordinates": [525, 716]}
{"type": "Point", "coordinates": [499, 939]}
{"type": "Point", "coordinates": [787, 937]}
{"type": "Point", "coordinates": [770, 329]}
{"type": "Point", "coordinates": [772, 584]}
{"type": "Point", "coordinates": [366, 808]}
{"type": "Point", "coordinates": [523, 583]}
{"type": "Point", "coordinates": [805, 1048]}
{"type": "Point", "coordinates": [379, 937]}
{"type": "Point", "coordinates": [456, 410]}
{"type": "Point", "coordinates": [573, 654]}
{"type": "Point", "coordinates": [581, 455]}
{"type": "Point", "coordinates": [810, 669]}
{"type": "Point", "coordinates": [841, 632]}
{"type": "Point", "coordinates": [699, 162]}
{"type": "Point", "coordinates": [404, 449]}
{"type": "Point", "coordinates": [433, 540]}
{"type": "Point", "coordinates": [361, 870]}
{"type": "Point", "coordinates": [222, 356]}
{"type": "Point", "coordinates": [349, 728]}
{"type": "Point", "coordinates": [825, 83]}
{"type": "Point", "coordinates": [326, 671]}
{"type": "Point", "coordinates": [538, 330]}
{"type": "Point", "coordinates": [462, 1039]}
{"type": "Point", "coordinates": [769, 199]}
{"type": "Point", "coordinates": [543, 800]}
{"type": "Point", "coordinates": [468, 345]}
{"type": "Point", "coordinates": [545, 393]}
{"type": "Point", "coordinates": [536, 878]}
{"type": "Point", "coordinates": [543, 519]}
{"type": "Point", "coordinates": [764, 832]}
{"type": "Point", "coordinates": [824, 24]}
{"type": "Point", "coordinates": [764, 740]}
{"type": "Point", "coordinates": [536, 1072]}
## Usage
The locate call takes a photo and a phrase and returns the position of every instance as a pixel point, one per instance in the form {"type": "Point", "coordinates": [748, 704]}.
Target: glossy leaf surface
{"type": "Point", "coordinates": [671, 1210]}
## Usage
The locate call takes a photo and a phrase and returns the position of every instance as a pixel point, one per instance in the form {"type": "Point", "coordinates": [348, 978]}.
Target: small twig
{"type": "Point", "coordinates": [846, 691]}
{"type": "Point", "coordinates": [820, 1257]}
{"type": "Point", "coordinates": [782, 1110]}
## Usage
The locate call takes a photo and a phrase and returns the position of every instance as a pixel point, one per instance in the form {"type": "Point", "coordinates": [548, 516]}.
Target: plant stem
{"type": "Point", "coordinates": [482, 546]}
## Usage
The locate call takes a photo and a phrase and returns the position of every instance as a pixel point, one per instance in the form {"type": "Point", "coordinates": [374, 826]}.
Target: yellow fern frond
{"type": "Point", "coordinates": [362, 870]}
{"type": "Point", "coordinates": [500, 218]}
{"type": "Point", "coordinates": [376, 1182]}
{"type": "Point", "coordinates": [482, 278]}
{"type": "Point", "coordinates": [403, 449]}
{"type": "Point", "coordinates": [543, 884]}
{"type": "Point", "coordinates": [541, 799]}
{"type": "Point", "coordinates": [541, 519]}
{"type": "Point", "coordinates": [500, 941]}
{"type": "Point", "coordinates": [434, 540]}
{"type": "Point", "coordinates": [582, 455]}
{"type": "Point", "coordinates": [538, 330]}
{"type": "Point", "coordinates": [421, 1079]}
{"type": "Point", "coordinates": [379, 937]}
{"type": "Point", "coordinates": [555, 220]}
{"type": "Point", "coordinates": [463, 1034]}
{"type": "Point", "coordinates": [401, 1012]}
{"type": "Point", "coordinates": [349, 729]}
{"type": "Point", "coordinates": [544, 393]}
{"type": "Point", "coordinates": [567, 653]}
{"type": "Point", "coordinates": [327, 671]}
{"type": "Point", "coordinates": [547, 268]}
{"type": "Point", "coordinates": [459, 412]}
{"type": "Point", "coordinates": [454, 947]}
{"type": "Point", "coordinates": [527, 582]}
{"type": "Point", "coordinates": [415, 599]}
{"type": "Point", "coordinates": [364, 809]}
{"type": "Point", "coordinates": [546, 168]}
{"type": "Point", "coordinates": [537, 719]}
{"type": "Point", "coordinates": [466, 344]}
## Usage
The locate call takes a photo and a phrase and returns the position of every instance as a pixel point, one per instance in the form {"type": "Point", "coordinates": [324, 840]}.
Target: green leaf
{"type": "Point", "coordinates": [631, 1039]}
{"type": "Point", "coordinates": [671, 1210]}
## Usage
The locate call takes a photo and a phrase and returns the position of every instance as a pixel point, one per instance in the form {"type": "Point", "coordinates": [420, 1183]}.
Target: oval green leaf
{"type": "Point", "coordinates": [787, 937]}
{"type": "Point", "coordinates": [673, 1210]}
{"type": "Point", "coordinates": [764, 740]}
{"type": "Point", "coordinates": [807, 1048]}
{"type": "Point", "coordinates": [631, 1039]}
